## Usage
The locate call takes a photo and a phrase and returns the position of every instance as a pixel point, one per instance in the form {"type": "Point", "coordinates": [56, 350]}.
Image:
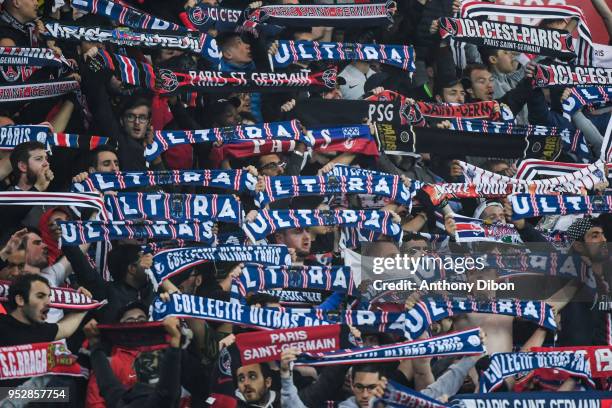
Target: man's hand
{"type": "Point", "coordinates": [79, 178]}
{"type": "Point", "coordinates": [273, 48]}
{"type": "Point", "coordinates": [434, 27]}
{"type": "Point", "coordinates": [445, 124]}
{"type": "Point", "coordinates": [146, 261]}
{"type": "Point", "coordinates": [227, 341]}
{"type": "Point", "coordinates": [85, 292]}
{"type": "Point", "coordinates": [379, 391]}
{"type": "Point", "coordinates": [251, 169]}
{"type": "Point", "coordinates": [455, 169]}
{"type": "Point", "coordinates": [13, 243]}
{"type": "Point", "coordinates": [326, 169]}
{"type": "Point", "coordinates": [287, 106]}
{"type": "Point", "coordinates": [450, 226]}
{"type": "Point", "coordinates": [261, 184]}
{"type": "Point", "coordinates": [44, 178]}
{"type": "Point", "coordinates": [530, 69]}
{"type": "Point", "coordinates": [287, 357]}
{"type": "Point", "coordinates": [250, 217]}
{"type": "Point", "coordinates": [412, 300]}
{"type": "Point", "coordinates": [519, 224]}
{"type": "Point", "coordinates": [92, 332]}
{"type": "Point", "coordinates": [173, 328]}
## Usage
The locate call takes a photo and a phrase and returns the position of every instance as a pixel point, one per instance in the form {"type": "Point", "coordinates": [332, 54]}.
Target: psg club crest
{"type": "Point", "coordinates": [329, 78]}
{"type": "Point", "coordinates": [449, 25]}
{"type": "Point", "coordinates": [166, 80]}
{"type": "Point", "coordinates": [198, 16]}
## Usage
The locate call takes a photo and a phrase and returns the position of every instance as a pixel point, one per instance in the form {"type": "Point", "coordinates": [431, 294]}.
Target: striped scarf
{"type": "Point", "coordinates": [476, 9]}
{"type": "Point", "coordinates": [39, 359]}
{"type": "Point", "coordinates": [61, 298]}
{"type": "Point", "coordinates": [38, 57]}
{"type": "Point", "coordinates": [532, 399]}
{"type": "Point", "coordinates": [165, 139]}
{"type": "Point", "coordinates": [474, 110]}
{"type": "Point", "coordinates": [527, 205]}
{"type": "Point", "coordinates": [269, 221]}
{"type": "Point", "coordinates": [237, 180]}
{"type": "Point", "coordinates": [466, 342]}
{"type": "Point", "coordinates": [172, 261]}
{"type": "Point", "coordinates": [512, 37]}
{"type": "Point", "coordinates": [200, 44]}
{"type": "Point", "coordinates": [289, 52]}
{"type": "Point", "coordinates": [586, 96]}
{"type": "Point", "coordinates": [282, 187]}
{"type": "Point", "coordinates": [578, 176]}
{"type": "Point", "coordinates": [37, 90]}
{"type": "Point", "coordinates": [82, 232]}
{"type": "Point", "coordinates": [397, 395]}
{"type": "Point", "coordinates": [125, 15]}
{"type": "Point", "coordinates": [529, 170]}
{"type": "Point", "coordinates": [12, 136]}
{"type": "Point", "coordinates": [165, 81]}
{"type": "Point", "coordinates": [504, 365]}
{"type": "Point", "coordinates": [309, 15]}
{"type": "Point", "coordinates": [79, 200]}
{"type": "Point", "coordinates": [257, 277]}
{"type": "Point", "coordinates": [565, 75]}
{"type": "Point", "coordinates": [572, 139]}
{"type": "Point", "coordinates": [476, 230]}
{"type": "Point", "coordinates": [175, 207]}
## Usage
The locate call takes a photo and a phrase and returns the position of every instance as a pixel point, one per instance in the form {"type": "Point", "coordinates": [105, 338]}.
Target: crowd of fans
{"type": "Point", "coordinates": [183, 368]}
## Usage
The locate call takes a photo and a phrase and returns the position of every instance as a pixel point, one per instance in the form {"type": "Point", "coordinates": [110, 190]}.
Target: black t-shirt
{"type": "Point", "coordinates": [13, 332]}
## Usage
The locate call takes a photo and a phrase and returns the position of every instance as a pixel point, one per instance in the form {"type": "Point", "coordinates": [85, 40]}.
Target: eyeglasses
{"type": "Point", "coordinates": [272, 165]}
{"type": "Point", "coordinates": [130, 117]}
{"type": "Point", "coordinates": [361, 388]}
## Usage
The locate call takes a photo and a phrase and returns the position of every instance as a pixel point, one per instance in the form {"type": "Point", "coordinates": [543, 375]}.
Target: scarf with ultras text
{"type": "Point", "coordinates": [38, 57]}
{"type": "Point", "coordinates": [507, 364]}
{"type": "Point", "coordinates": [176, 207]}
{"type": "Point", "coordinates": [329, 278]}
{"type": "Point", "coordinates": [397, 395]}
{"type": "Point", "coordinates": [512, 37]}
{"type": "Point", "coordinates": [238, 180]}
{"type": "Point", "coordinates": [269, 221]}
{"type": "Point", "coordinates": [289, 52]}
{"type": "Point", "coordinates": [82, 232]}
{"type": "Point", "coordinates": [565, 75]}
{"type": "Point", "coordinates": [536, 205]}
{"type": "Point", "coordinates": [165, 139]}
{"type": "Point", "coordinates": [37, 90]}
{"type": "Point", "coordinates": [281, 187]}
{"type": "Point", "coordinates": [61, 298]}
{"type": "Point", "coordinates": [169, 262]}
{"type": "Point", "coordinates": [586, 96]}
{"type": "Point", "coordinates": [200, 44]}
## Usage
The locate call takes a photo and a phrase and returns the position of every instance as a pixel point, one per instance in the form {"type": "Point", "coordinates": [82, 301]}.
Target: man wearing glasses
{"type": "Point", "coordinates": [270, 165]}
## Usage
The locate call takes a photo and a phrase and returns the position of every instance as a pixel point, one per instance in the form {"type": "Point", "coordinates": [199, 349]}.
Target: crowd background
{"type": "Point", "coordinates": [186, 362]}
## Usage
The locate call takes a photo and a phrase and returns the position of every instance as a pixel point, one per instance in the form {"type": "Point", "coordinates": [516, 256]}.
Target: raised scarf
{"type": "Point", "coordinates": [504, 365]}
{"type": "Point", "coordinates": [533, 399]}
{"type": "Point", "coordinates": [466, 342]}
{"type": "Point", "coordinates": [169, 262]}
{"type": "Point", "coordinates": [190, 306]}
{"type": "Point", "coordinates": [585, 96]}
{"type": "Point", "coordinates": [12, 136]}
{"type": "Point", "coordinates": [407, 140]}
{"type": "Point", "coordinates": [165, 81]}
{"type": "Point", "coordinates": [309, 15]}
{"type": "Point", "coordinates": [259, 347]}
{"type": "Point", "coordinates": [34, 198]}
{"type": "Point", "coordinates": [165, 139]}
{"type": "Point", "coordinates": [200, 44]}
{"type": "Point", "coordinates": [565, 75]}
{"type": "Point", "coordinates": [528, 170]}
{"type": "Point", "coordinates": [61, 298]}
{"type": "Point", "coordinates": [203, 17]}
{"type": "Point", "coordinates": [269, 221]}
{"type": "Point", "coordinates": [82, 232]}
{"type": "Point", "coordinates": [282, 187]}
{"type": "Point", "coordinates": [473, 110]}
{"type": "Point", "coordinates": [177, 207]}
{"type": "Point", "coordinates": [574, 175]}
{"type": "Point", "coordinates": [599, 357]}
{"type": "Point", "coordinates": [329, 278]}
{"type": "Point", "coordinates": [238, 180]}
{"type": "Point", "coordinates": [289, 297]}
{"type": "Point", "coordinates": [125, 15]}
{"type": "Point", "coordinates": [289, 52]}
{"type": "Point", "coordinates": [512, 37]}
{"type": "Point", "coordinates": [37, 90]}
{"type": "Point", "coordinates": [572, 140]}
{"type": "Point", "coordinates": [487, 10]}
{"type": "Point", "coordinates": [34, 360]}
{"type": "Point", "coordinates": [476, 230]}
{"type": "Point", "coordinates": [527, 205]}
{"type": "Point", "coordinates": [38, 57]}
